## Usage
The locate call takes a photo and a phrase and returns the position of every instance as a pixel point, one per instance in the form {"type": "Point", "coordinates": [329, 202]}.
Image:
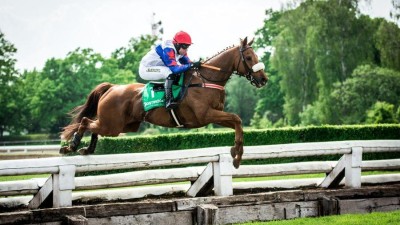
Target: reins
{"type": "Point", "coordinates": [246, 67]}
{"type": "Point", "coordinates": [211, 67]}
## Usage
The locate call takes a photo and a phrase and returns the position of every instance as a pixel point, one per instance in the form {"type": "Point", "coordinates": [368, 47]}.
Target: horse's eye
{"type": "Point", "coordinates": [248, 58]}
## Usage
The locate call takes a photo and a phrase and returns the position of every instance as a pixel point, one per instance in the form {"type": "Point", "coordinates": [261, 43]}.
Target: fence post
{"type": "Point", "coordinates": [63, 184]}
{"type": "Point", "coordinates": [223, 175]}
{"type": "Point", "coordinates": [353, 168]}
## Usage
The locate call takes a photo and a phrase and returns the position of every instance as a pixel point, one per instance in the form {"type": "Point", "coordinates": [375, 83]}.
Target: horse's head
{"type": "Point", "coordinates": [249, 65]}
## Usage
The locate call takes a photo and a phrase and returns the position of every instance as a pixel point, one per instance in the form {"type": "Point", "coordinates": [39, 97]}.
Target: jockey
{"type": "Point", "coordinates": [166, 61]}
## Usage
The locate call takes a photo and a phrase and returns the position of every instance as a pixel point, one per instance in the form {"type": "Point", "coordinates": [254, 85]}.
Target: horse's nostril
{"type": "Point", "coordinates": [264, 81]}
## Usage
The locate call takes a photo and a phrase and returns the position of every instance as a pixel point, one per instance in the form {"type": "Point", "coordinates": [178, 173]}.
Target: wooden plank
{"type": "Point", "coordinates": [202, 184]}
{"type": "Point", "coordinates": [353, 168]}
{"type": "Point", "coordinates": [333, 178]}
{"type": "Point", "coordinates": [387, 164]}
{"type": "Point", "coordinates": [318, 148]}
{"type": "Point", "coordinates": [207, 214]}
{"type": "Point", "coordinates": [18, 187]}
{"type": "Point", "coordinates": [10, 188]}
{"type": "Point", "coordinates": [274, 203]}
{"type": "Point", "coordinates": [138, 178]}
{"type": "Point", "coordinates": [15, 218]}
{"type": "Point", "coordinates": [103, 162]}
{"type": "Point", "coordinates": [138, 160]}
{"type": "Point", "coordinates": [130, 193]}
{"type": "Point", "coordinates": [179, 190]}
{"type": "Point", "coordinates": [177, 218]}
{"type": "Point", "coordinates": [284, 169]}
{"type": "Point", "coordinates": [75, 220]}
{"type": "Point", "coordinates": [223, 175]}
{"type": "Point", "coordinates": [329, 206]}
{"type": "Point", "coordinates": [349, 206]}
{"type": "Point", "coordinates": [29, 148]}
{"type": "Point", "coordinates": [63, 184]}
{"type": "Point", "coordinates": [267, 212]}
{"type": "Point", "coordinates": [291, 195]}
{"type": "Point", "coordinates": [88, 211]}
{"type": "Point", "coordinates": [41, 196]}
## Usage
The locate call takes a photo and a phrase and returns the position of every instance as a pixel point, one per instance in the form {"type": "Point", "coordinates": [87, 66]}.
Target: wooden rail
{"type": "Point", "coordinates": [218, 172]}
{"type": "Point", "coordinates": [29, 148]}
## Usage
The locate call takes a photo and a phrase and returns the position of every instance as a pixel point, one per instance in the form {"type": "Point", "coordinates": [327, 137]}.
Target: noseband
{"type": "Point", "coordinates": [249, 71]}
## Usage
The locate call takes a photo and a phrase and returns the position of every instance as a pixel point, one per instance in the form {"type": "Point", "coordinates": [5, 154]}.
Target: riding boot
{"type": "Point", "coordinates": [169, 98]}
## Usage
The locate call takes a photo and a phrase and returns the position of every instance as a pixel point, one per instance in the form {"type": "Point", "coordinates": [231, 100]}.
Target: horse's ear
{"type": "Point", "coordinates": [244, 41]}
{"type": "Point", "coordinates": [251, 42]}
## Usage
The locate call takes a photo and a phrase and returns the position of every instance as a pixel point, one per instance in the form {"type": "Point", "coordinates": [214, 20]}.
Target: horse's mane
{"type": "Point", "coordinates": [220, 52]}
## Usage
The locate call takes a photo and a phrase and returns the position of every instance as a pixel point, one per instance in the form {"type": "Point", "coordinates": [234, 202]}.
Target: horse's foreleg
{"type": "Point", "coordinates": [232, 121]}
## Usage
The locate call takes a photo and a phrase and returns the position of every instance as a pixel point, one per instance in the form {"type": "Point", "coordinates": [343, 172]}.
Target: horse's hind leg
{"type": "Point", "coordinates": [76, 140]}
{"type": "Point", "coordinates": [92, 145]}
{"type": "Point", "coordinates": [94, 127]}
{"type": "Point", "coordinates": [73, 144]}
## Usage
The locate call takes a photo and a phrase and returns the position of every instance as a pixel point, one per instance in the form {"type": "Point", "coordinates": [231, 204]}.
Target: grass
{"type": "Point", "coordinates": [23, 177]}
{"type": "Point", "coordinates": [376, 218]}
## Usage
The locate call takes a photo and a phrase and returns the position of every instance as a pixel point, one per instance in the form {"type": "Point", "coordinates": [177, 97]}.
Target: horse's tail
{"type": "Point", "coordinates": [89, 110]}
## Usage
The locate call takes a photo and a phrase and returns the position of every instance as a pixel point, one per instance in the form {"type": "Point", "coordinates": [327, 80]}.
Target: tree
{"type": "Point", "coordinates": [387, 39]}
{"type": "Point", "coordinates": [395, 12]}
{"type": "Point", "coordinates": [62, 85]}
{"type": "Point", "coordinates": [241, 99]}
{"type": "Point", "coordinates": [259, 122]}
{"type": "Point", "coordinates": [8, 83]}
{"type": "Point", "coordinates": [270, 98]}
{"type": "Point", "coordinates": [381, 112]}
{"type": "Point", "coordinates": [317, 46]}
{"type": "Point", "coordinates": [294, 61]}
{"type": "Point", "coordinates": [357, 94]}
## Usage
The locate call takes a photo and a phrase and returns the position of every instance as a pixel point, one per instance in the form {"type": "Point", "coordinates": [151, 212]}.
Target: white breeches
{"type": "Point", "coordinates": [154, 72]}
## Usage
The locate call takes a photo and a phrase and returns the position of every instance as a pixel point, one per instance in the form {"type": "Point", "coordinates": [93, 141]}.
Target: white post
{"type": "Point", "coordinates": [63, 184]}
{"type": "Point", "coordinates": [353, 168]}
{"type": "Point", "coordinates": [223, 175]}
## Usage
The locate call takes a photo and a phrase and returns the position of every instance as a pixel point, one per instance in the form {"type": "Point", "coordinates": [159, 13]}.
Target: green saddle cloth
{"type": "Point", "coordinates": [154, 94]}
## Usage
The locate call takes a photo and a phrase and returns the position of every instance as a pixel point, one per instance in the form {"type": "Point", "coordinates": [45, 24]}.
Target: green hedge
{"type": "Point", "coordinates": [165, 142]}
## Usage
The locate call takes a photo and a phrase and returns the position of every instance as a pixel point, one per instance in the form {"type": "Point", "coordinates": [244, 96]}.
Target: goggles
{"type": "Point", "coordinates": [185, 46]}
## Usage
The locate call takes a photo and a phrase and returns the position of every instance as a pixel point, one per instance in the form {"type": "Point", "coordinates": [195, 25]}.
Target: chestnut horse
{"type": "Point", "coordinates": [113, 109]}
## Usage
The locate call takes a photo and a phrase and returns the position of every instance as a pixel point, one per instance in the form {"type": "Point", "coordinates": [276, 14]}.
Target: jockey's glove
{"type": "Point", "coordinates": [195, 65]}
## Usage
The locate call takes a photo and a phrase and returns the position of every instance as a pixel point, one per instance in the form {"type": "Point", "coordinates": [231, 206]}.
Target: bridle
{"type": "Point", "coordinates": [249, 71]}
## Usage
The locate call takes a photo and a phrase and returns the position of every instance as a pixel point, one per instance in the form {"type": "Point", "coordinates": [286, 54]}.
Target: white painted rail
{"type": "Point", "coordinates": [29, 148]}
{"type": "Point", "coordinates": [219, 168]}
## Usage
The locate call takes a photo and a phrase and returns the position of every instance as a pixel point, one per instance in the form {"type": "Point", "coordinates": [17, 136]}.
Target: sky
{"type": "Point", "coordinates": [43, 29]}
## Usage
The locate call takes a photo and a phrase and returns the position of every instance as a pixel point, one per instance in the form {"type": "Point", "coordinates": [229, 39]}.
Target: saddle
{"type": "Point", "coordinates": [154, 94]}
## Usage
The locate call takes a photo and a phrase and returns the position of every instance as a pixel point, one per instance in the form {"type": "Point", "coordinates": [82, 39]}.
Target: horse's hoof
{"type": "Point", "coordinates": [64, 150]}
{"type": "Point", "coordinates": [83, 151]}
{"type": "Point", "coordinates": [236, 163]}
{"type": "Point", "coordinates": [233, 152]}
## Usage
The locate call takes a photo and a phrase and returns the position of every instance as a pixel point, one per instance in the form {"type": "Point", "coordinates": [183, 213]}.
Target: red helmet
{"type": "Point", "coordinates": [182, 38]}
